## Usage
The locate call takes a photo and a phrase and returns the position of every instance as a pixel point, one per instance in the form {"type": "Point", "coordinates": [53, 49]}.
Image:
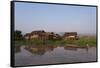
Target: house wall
{"type": "Point", "coordinates": [34, 36]}
{"type": "Point", "coordinates": [26, 37]}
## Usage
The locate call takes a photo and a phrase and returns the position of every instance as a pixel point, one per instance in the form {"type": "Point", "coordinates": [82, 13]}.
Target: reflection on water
{"type": "Point", "coordinates": [17, 48]}
{"type": "Point", "coordinates": [46, 54]}
{"type": "Point", "coordinates": [70, 48]}
{"type": "Point", "coordinates": [39, 50]}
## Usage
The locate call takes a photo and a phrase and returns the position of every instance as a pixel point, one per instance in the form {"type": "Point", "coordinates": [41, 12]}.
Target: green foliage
{"type": "Point", "coordinates": [18, 35]}
{"type": "Point", "coordinates": [91, 41]}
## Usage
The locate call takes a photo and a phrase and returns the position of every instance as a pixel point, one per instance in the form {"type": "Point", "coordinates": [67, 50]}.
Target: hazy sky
{"type": "Point", "coordinates": [55, 18]}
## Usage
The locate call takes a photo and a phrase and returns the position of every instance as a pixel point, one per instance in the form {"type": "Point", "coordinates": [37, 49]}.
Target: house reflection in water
{"type": "Point", "coordinates": [39, 50]}
{"type": "Point", "coordinates": [76, 48]}
{"type": "Point", "coordinates": [70, 48]}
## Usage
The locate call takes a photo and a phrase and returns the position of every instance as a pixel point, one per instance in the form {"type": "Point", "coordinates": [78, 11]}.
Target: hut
{"type": "Point", "coordinates": [37, 34]}
{"type": "Point", "coordinates": [57, 36]}
{"type": "Point", "coordinates": [27, 36]}
{"type": "Point", "coordinates": [41, 35]}
{"type": "Point", "coordinates": [70, 36]}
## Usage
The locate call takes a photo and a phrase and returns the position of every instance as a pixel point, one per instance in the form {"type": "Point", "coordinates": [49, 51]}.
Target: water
{"type": "Point", "coordinates": [36, 55]}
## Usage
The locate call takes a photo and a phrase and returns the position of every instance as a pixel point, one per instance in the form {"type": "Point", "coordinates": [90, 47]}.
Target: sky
{"type": "Point", "coordinates": [55, 18]}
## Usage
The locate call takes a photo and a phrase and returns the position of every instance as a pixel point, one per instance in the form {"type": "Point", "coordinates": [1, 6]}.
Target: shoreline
{"type": "Point", "coordinates": [67, 45]}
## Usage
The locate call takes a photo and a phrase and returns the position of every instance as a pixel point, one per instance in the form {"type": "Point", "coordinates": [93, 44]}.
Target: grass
{"type": "Point", "coordinates": [91, 41]}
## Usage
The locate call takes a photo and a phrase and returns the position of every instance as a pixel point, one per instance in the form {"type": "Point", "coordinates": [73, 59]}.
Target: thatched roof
{"type": "Point", "coordinates": [27, 34]}
{"type": "Point", "coordinates": [70, 33]}
{"type": "Point", "coordinates": [38, 31]}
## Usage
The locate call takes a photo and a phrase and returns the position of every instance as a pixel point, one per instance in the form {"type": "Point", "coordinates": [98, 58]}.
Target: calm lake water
{"type": "Point", "coordinates": [36, 55]}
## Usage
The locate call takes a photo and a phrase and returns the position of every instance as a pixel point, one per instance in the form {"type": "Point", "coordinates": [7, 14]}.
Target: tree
{"type": "Point", "coordinates": [18, 35]}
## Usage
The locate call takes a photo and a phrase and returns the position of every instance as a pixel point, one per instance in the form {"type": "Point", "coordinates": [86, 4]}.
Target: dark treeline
{"type": "Point", "coordinates": [18, 35]}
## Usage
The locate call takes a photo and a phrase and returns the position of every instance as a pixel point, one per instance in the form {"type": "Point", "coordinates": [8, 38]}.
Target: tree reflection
{"type": "Point", "coordinates": [39, 49]}
{"type": "Point", "coordinates": [17, 48]}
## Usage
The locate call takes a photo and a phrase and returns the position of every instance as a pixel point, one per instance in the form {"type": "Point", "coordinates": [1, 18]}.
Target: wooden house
{"type": "Point", "coordinates": [70, 36]}
{"type": "Point", "coordinates": [27, 36]}
{"type": "Point", "coordinates": [41, 35]}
